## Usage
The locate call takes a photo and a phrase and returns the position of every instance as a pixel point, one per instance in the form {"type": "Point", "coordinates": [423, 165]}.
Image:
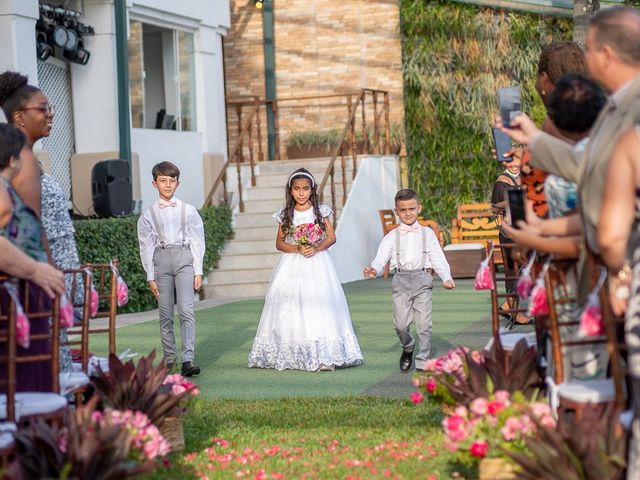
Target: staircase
{"type": "Point", "coordinates": [248, 259]}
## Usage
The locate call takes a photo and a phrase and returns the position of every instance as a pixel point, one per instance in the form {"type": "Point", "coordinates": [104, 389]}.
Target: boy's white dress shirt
{"type": "Point", "coordinates": [411, 257]}
{"type": "Point", "coordinates": [169, 218]}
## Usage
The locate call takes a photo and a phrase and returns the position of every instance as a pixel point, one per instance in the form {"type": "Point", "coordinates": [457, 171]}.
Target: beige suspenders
{"type": "Point", "coordinates": [156, 224]}
{"type": "Point", "coordinates": [423, 234]}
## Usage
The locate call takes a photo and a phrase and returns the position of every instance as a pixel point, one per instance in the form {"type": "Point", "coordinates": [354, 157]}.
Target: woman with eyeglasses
{"type": "Point", "coordinates": [27, 107]}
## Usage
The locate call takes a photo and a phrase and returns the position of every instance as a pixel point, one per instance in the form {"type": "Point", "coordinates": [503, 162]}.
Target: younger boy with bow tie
{"type": "Point", "coordinates": [415, 253]}
{"type": "Point", "coordinates": [171, 239]}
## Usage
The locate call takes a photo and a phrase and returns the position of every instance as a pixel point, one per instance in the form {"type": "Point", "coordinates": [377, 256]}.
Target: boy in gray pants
{"type": "Point", "coordinates": [415, 253]}
{"type": "Point", "coordinates": [171, 239]}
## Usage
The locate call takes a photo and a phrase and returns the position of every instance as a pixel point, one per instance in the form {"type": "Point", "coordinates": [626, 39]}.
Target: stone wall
{"type": "Point", "coordinates": [321, 48]}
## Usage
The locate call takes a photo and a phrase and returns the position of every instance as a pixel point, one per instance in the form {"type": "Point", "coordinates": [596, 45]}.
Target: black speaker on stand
{"type": "Point", "coordinates": [111, 188]}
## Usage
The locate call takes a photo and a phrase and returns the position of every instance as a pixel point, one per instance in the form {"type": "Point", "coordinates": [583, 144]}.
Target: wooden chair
{"type": "Point", "coordinates": [388, 220]}
{"type": "Point", "coordinates": [501, 275]}
{"type": "Point", "coordinates": [23, 406]}
{"type": "Point", "coordinates": [79, 283]}
{"type": "Point", "coordinates": [474, 223]}
{"type": "Point", "coordinates": [104, 281]}
{"type": "Point", "coordinates": [572, 394]}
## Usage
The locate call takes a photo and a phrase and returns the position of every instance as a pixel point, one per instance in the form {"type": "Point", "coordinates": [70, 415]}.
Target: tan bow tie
{"type": "Point", "coordinates": [168, 204]}
{"type": "Point", "coordinates": [404, 229]}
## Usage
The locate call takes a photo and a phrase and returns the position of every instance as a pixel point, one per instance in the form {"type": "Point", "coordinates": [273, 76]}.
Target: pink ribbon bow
{"type": "Point", "coordinates": [168, 204]}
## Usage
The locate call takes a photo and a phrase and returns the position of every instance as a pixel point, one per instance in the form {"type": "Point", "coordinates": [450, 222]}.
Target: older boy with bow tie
{"type": "Point", "coordinates": [415, 253]}
{"type": "Point", "coordinates": [171, 239]}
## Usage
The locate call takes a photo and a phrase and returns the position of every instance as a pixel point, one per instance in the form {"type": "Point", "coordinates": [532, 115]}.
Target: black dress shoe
{"type": "Point", "coordinates": [189, 369]}
{"type": "Point", "coordinates": [405, 361]}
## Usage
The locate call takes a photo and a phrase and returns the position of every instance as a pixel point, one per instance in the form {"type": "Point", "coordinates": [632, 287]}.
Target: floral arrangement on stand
{"type": "Point", "coordinates": [450, 366]}
{"type": "Point", "coordinates": [461, 375]}
{"type": "Point", "coordinates": [494, 424]}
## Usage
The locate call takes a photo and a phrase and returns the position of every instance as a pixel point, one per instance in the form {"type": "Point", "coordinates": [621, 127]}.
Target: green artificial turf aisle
{"type": "Point", "coordinates": [322, 438]}
{"type": "Point", "coordinates": [225, 335]}
{"type": "Point", "coordinates": [350, 423]}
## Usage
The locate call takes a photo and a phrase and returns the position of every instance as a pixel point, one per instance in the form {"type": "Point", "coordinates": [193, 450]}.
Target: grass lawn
{"type": "Point", "coordinates": [347, 438]}
{"type": "Point", "coordinates": [350, 423]}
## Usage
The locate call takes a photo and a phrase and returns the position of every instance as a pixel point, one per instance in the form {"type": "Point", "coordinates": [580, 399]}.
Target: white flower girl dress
{"type": "Point", "coordinates": [305, 323]}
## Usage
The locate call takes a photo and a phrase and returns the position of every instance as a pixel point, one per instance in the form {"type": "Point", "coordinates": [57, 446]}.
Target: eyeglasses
{"type": "Point", "coordinates": [44, 109]}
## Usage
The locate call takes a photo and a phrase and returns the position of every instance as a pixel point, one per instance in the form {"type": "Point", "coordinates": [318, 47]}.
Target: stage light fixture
{"type": "Point", "coordinates": [60, 36]}
{"type": "Point", "coordinates": [259, 4]}
{"type": "Point", "coordinates": [43, 49]}
{"type": "Point", "coordinates": [72, 39]}
{"type": "Point", "coordinates": [79, 54]}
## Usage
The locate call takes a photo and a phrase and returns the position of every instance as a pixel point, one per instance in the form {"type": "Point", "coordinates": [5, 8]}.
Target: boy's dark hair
{"type": "Point", "coordinates": [12, 141]}
{"type": "Point", "coordinates": [166, 169]}
{"type": "Point", "coordinates": [575, 103]}
{"type": "Point", "coordinates": [406, 194]}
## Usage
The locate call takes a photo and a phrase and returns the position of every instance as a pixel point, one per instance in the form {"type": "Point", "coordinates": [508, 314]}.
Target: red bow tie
{"type": "Point", "coordinates": [168, 204]}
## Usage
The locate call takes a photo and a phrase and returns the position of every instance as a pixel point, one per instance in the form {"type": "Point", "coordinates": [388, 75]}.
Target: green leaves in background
{"type": "Point", "coordinates": [100, 240]}
{"type": "Point", "coordinates": [454, 58]}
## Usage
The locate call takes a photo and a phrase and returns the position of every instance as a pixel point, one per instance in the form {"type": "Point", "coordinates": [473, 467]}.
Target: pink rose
{"type": "Point", "coordinates": [494, 407]}
{"type": "Point", "coordinates": [512, 428]}
{"type": "Point", "coordinates": [539, 409]}
{"type": "Point", "coordinates": [455, 428]}
{"type": "Point", "coordinates": [431, 385]}
{"type": "Point", "coordinates": [479, 449]}
{"type": "Point", "coordinates": [416, 398]}
{"type": "Point", "coordinates": [591, 321]}
{"type": "Point", "coordinates": [502, 396]}
{"type": "Point", "coordinates": [430, 365]}
{"type": "Point", "coordinates": [461, 411]}
{"type": "Point", "coordinates": [477, 356]}
{"type": "Point", "coordinates": [479, 406]}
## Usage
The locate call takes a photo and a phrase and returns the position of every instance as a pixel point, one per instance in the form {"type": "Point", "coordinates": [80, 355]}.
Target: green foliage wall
{"type": "Point", "coordinates": [100, 240]}
{"type": "Point", "coordinates": [454, 58]}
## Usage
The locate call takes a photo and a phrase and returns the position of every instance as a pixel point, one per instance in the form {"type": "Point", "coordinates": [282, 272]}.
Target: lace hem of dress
{"type": "Point", "coordinates": [309, 356]}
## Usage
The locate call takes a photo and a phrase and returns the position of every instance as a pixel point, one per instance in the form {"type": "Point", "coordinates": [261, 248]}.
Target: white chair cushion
{"type": "Point", "coordinates": [452, 247]}
{"type": "Point", "coordinates": [93, 362]}
{"type": "Point", "coordinates": [594, 391]}
{"type": "Point", "coordinates": [6, 440]}
{"type": "Point", "coordinates": [69, 381]}
{"type": "Point", "coordinates": [509, 340]}
{"type": "Point", "coordinates": [626, 418]}
{"type": "Point", "coordinates": [33, 403]}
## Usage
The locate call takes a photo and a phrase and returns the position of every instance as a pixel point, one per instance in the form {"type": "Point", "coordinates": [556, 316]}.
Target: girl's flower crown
{"type": "Point", "coordinates": [304, 174]}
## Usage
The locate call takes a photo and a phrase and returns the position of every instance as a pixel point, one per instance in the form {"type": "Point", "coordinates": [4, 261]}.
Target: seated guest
{"type": "Point", "coordinates": [23, 229]}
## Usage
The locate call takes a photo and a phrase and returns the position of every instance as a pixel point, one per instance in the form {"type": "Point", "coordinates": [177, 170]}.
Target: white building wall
{"type": "Point", "coordinates": [94, 86]}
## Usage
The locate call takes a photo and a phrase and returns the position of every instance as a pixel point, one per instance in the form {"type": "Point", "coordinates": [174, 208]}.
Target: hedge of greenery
{"type": "Point", "coordinates": [455, 56]}
{"type": "Point", "coordinates": [100, 240]}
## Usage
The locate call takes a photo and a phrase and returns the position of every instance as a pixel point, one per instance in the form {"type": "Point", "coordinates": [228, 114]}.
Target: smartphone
{"type": "Point", "coordinates": [509, 104]}
{"type": "Point", "coordinates": [502, 144]}
{"type": "Point", "coordinates": [515, 206]}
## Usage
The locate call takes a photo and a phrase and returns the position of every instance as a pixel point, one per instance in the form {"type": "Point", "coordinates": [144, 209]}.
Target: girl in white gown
{"type": "Point", "coordinates": [305, 323]}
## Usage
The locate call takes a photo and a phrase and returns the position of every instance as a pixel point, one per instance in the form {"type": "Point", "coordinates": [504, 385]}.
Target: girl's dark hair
{"type": "Point", "coordinates": [12, 141]}
{"type": "Point", "coordinates": [560, 58]}
{"type": "Point", "coordinates": [15, 92]}
{"type": "Point", "coordinates": [287, 212]}
{"type": "Point", "coordinates": [575, 103]}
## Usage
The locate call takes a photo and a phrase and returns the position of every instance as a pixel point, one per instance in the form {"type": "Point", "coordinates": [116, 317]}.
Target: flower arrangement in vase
{"type": "Point", "coordinates": [489, 426]}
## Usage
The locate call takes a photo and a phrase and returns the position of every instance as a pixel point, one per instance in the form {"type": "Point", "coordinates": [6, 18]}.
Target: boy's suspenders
{"type": "Point", "coordinates": [423, 234]}
{"type": "Point", "coordinates": [161, 236]}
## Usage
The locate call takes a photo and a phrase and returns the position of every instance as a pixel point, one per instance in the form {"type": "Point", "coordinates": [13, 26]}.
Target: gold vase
{"type": "Point", "coordinates": [172, 430]}
{"type": "Point", "coordinates": [495, 469]}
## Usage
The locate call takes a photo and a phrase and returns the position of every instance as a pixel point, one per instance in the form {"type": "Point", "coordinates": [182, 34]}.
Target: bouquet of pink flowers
{"type": "Point", "coordinates": [450, 366]}
{"type": "Point", "coordinates": [491, 425]}
{"type": "Point", "coordinates": [306, 235]}
{"type": "Point", "coordinates": [147, 442]}
{"type": "Point", "coordinates": [180, 385]}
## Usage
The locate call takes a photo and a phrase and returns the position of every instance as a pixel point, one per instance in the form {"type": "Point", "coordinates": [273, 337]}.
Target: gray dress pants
{"type": "Point", "coordinates": [173, 266]}
{"type": "Point", "coordinates": [412, 303]}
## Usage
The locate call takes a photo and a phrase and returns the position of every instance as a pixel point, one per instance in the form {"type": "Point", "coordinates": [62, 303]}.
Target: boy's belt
{"type": "Point", "coordinates": [430, 271]}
